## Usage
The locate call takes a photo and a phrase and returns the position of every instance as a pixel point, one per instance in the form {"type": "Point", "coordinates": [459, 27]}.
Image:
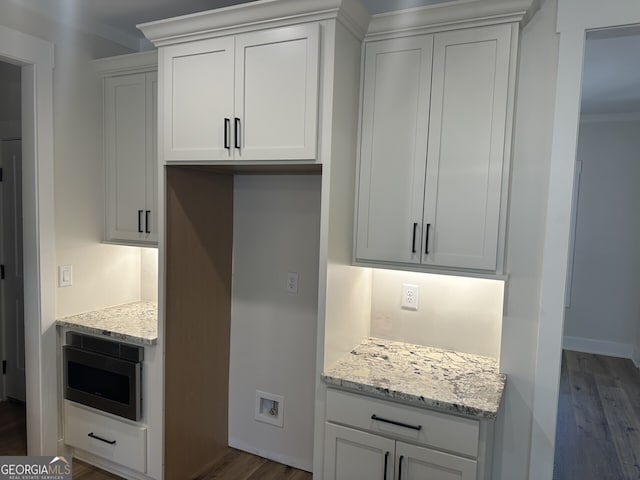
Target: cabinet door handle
{"type": "Point", "coordinates": [236, 132]}
{"type": "Point", "coordinates": [93, 435]}
{"type": "Point", "coordinates": [140, 221]}
{"type": "Point", "coordinates": [386, 463]}
{"type": "Point", "coordinates": [146, 221]}
{"type": "Point", "coordinates": [393, 422]}
{"type": "Point", "coordinates": [426, 243]}
{"type": "Point", "coordinates": [227, 133]}
{"type": "Point", "coordinates": [400, 467]}
{"type": "Point", "coordinates": [413, 241]}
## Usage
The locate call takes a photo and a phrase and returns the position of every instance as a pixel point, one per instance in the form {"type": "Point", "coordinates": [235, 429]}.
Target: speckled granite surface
{"type": "Point", "coordinates": [135, 322]}
{"type": "Point", "coordinates": [421, 376]}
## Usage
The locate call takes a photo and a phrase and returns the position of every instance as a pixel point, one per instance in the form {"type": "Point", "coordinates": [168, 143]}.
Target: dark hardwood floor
{"type": "Point", "coordinates": [598, 429]}
{"type": "Point", "coordinates": [233, 465]}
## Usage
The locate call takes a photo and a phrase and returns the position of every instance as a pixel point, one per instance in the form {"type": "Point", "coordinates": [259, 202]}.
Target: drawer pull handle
{"type": "Point", "coordinates": [393, 422]}
{"type": "Point", "coordinates": [93, 435]}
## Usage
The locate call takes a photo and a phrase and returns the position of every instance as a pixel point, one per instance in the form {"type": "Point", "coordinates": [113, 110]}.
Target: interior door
{"type": "Point", "coordinates": [276, 93]}
{"type": "Point", "coordinates": [12, 286]}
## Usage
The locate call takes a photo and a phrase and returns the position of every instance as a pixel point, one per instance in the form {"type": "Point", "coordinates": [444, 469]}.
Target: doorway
{"type": "Point", "coordinates": [599, 386]}
{"type": "Point", "coordinates": [11, 272]}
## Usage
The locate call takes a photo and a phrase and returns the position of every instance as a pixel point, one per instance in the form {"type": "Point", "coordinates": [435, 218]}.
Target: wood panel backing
{"type": "Point", "coordinates": [199, 242]}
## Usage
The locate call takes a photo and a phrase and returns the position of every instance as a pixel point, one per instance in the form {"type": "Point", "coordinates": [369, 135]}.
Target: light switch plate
{"type": "Point", "coordinates": [65, 275]}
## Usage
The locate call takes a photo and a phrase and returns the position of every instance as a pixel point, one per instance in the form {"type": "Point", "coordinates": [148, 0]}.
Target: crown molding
{"type": "Point", "coordinates": [447, 16]}
{"type": "Point", "coordinates": [254, 16]}
{"type": "Point", "coordinates": [124, 64]}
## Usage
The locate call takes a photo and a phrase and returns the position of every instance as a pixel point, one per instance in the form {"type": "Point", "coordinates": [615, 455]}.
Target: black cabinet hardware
{"type": "Point", "coordinates": [227, 133]}
{"type": "Point", "coordinates": [400, 467]}
{"type": "Point", "coordinates": [93, 435]}
{"type": "Point", "coordinates": [393, 422]}
{"type": "Point", "coordinates": [1, 272]}
{"type": "Point", "coordinates": [236, 132]}
{"type": "Point", "coordinates": [140, 221]}
{"type": "Point", "coordinates": [386, 462]}
{"type": "Point", "coordinates": [413, 241]}
{"type": "Point", "coordinates": [146, 221]}
{"type": "Point", "coordinates": [426, 242]}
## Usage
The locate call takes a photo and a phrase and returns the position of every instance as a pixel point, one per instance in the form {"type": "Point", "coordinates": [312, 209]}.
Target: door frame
{"type": "Point", "coordinates": [575, 18]}
{"type": "Point", "coordinates": [36, 58]}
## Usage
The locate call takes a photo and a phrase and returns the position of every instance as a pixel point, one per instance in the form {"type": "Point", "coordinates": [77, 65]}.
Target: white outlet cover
{"type": "Point", "coordinates": [409, 299]}
{"type": "Point", "coordinates": [292, 282]}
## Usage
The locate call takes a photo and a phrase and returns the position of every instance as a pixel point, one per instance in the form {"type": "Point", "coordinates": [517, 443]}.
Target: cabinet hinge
{"type": "Point", "coordinates": [4, 367]}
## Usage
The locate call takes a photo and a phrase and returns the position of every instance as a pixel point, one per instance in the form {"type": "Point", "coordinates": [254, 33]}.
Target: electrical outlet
{"type": "Point", "coordinates": [409, 297]}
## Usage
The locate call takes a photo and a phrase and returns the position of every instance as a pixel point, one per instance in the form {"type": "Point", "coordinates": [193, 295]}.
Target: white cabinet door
{"type": "Point", "coordinates": [354, 455]}
{"type": "Point", "coordinates": [276, 94]}
{"type": "Point", "coordinates": [198, 99]}
{"type": "Point", "coordinates": [126, 153]}
{"type": "Point", "coordinates": [151, 183]}
{"type": "Point", "coordinates": [419, 463]}
{"type": "Point", "coordinates": [465, 159]}
{"type": "Point", "coordinates": [395, 124]}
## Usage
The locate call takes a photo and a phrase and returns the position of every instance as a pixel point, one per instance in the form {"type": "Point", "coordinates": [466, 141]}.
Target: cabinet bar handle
{"type": "Point", "coordinates": [400, 467]}
{"type": "Point", "coordinates": [386, 462]}
{"type": "Point", "coordinates": [426, 243]}
{"type": "Point", "coordinates": [93, 435]}
{"type": "Point", "coordinates": [393, 422]}
{"type": "Point", "coordinates": [140, 221]}
{"type": "Point", "coordinates": [413, 241]}
{"type": "Point", "coordinates": [227, 133]}
{"type": "Point", "coordinates": [236, 132]}
{"type": "Point", "coordinates": [146, 221]}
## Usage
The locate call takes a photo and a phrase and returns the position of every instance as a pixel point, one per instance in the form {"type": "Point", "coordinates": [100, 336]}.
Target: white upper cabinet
{"type": "Point", "coordinates": [251, 96]}
{"type": "Point", "coordinates": [466, 147]}
{"type": "Point", "coordinates": [130, 133]}
{"type": "Point", "coordinates": [433, 159]}
{"type": "Point", "coordinates": [395, 122]}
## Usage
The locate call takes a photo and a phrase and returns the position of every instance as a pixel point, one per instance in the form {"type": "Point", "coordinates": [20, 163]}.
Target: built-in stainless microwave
{"type": "Point", "coordinates": [103, 374]}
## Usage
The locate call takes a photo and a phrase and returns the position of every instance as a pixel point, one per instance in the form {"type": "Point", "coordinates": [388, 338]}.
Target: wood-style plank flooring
{"type": "Point", "coordinates": [233, 465]}
{"type": "Point", "coordinates": [598, 429]}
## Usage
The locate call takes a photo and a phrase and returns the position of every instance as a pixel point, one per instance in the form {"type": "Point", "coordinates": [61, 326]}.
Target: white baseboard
{"type": "Point", "coordinates": [299, 463]}
{"type": "Point", "coordinates": [602, 347]}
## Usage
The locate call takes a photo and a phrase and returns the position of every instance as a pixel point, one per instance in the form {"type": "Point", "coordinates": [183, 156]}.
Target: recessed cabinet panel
{"type": "Point", "coordinates": [354, 455]}
{"type": "Point", "coordinates": [395, 122]}
{"type": "Point", "coordinates": [198, 96]}
{"type": "Point", "coordinates": [466, 146]}
{"type": "Point", "coordinates": [419, 463]}
{"type": "Point", "coordinates": [276, 90]}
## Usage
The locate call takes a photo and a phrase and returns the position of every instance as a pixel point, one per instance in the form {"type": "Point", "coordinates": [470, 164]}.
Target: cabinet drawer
{"type": "Point", "coordinates": [437, 430]}
{"type": "Point", "coordinates": [115, 440]}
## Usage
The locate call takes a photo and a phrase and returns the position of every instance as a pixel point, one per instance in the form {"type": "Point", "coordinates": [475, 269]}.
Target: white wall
{"type": "Point", "coordinates": [604, 316]}
{"type": "Point", "coordinates": [456, 313]}
{"type": "Point", "coordinates": [103, 274]}
{"type": "Point", "coordinates": [525, 237]}
{"type": "Point", "coordinates": [273, 332]}
{"type": "Point", "coordinates": [149, 274]}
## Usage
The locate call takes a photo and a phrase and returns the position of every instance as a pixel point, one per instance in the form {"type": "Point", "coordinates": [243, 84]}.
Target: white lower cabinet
{"type": "Point", "coordinates": [352, 455]}
{"type": "Point", "coordinates": [371, 439]}
{"type": "Point", "coordinates": [118, 441]}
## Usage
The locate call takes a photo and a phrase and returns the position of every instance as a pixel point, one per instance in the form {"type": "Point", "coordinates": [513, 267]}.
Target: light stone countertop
{"type": "Point", "coordinates": [421, 376]}
{"type": "Point", "coordinates": [135, 322]}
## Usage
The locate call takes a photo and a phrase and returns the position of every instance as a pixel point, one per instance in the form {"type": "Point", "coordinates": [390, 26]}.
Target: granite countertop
{"type": "Point", "coordinates": [421, 376]}
{"type": "Point", "coordinates": [135, 322]}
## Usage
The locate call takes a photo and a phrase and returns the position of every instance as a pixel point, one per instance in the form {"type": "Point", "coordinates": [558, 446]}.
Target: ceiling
{"type": "Point", "coordinates": [116, 20]}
